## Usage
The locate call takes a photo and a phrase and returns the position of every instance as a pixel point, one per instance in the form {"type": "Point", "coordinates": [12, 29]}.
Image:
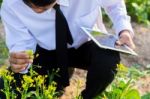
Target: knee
{"type": "Point", "coordinates": [109, 60]}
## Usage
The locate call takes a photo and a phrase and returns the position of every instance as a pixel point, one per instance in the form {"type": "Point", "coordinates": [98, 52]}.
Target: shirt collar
{"type": "Point", "coordinates": [63, 2]}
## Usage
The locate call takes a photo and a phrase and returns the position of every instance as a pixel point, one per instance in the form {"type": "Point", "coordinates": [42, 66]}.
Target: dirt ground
{"type": "Point", "coordinates": [142, 41]}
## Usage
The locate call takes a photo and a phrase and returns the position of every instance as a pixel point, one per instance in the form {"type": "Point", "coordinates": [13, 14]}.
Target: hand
{"type": "Point", "coordinates": [19, 61]}
{"type": "Point", "coordinates": [125, 39]}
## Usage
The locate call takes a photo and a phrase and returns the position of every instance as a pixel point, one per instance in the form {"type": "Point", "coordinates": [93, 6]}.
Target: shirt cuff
{"type": "Point", "coordinates": [123, 25]}
{"type": "Point", "coordinates": [20, 48]}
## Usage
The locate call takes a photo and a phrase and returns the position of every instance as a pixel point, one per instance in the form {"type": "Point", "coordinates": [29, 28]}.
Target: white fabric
{"type": "Point", "coordinates": [25, 28]}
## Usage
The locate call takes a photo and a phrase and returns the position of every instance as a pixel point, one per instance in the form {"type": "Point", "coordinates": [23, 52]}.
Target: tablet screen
{"type": "Point", "coordinates": [107, 41]}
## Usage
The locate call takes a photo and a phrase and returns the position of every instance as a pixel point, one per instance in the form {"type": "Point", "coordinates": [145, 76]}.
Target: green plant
{"type": "Point", "coordinates": [123, 85]}
{"type": "Point", "coordinates": [1, 2]}
{"type": "Point", "coordinates": [5, 75]}
{"type": "Point", "coordinates": [33, 80]}
{"type": "Point", "coordinates": [139, 10]}
{"type": "Point", "coordinates": [146, 96]}
{"type": "Point", "coordinates": [3, 52]}
{"type": "Point", "coordinates": [121, 88]}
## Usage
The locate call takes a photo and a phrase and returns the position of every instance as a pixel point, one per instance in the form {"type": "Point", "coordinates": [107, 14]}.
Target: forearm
{"type": "Point", "coordinates": [118, 15]}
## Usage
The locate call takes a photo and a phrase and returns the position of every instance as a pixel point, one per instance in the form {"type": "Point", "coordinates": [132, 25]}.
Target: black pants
{"type": "Point", "coordinates": [100, 64]}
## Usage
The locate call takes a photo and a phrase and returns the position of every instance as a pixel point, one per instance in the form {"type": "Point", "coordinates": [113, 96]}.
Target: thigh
{"type": "Point", "coordinates": [103, 59]}
{"type": "Point", "coordinates": [90, 54]}
{"type": "Point", "coordinates": [80, 58]}
{"type": "Point", "coordinates": [76, 57]}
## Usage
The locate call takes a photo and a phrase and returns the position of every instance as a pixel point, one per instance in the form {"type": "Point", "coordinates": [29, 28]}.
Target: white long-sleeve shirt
{"type": "Point", "coordinates": [25, 28]}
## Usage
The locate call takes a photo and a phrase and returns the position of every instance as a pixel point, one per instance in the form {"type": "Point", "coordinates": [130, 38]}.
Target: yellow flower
{"type": "Point", "coordinates": [40, 80]}
{"type": "Point", "coordinates": [9, 78]}
{"type": "Point", "coordinates": [18, 89]}
{"type": "Point", "coordinates": [121, 67]}
{"type": "Point", "coordinates": [30, 53]}
{"type": "Point", "coordinates": [28, 82]}
{"type": "Point", "coordinates": [3, 70]}
{"type": "Point", "coordinates": [28, 79]}
{"type": "Point", "coordinates": [52, 87]}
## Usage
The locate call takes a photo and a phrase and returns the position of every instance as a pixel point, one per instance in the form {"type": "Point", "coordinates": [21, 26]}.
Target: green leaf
{"type": "Point", "coordinates": [146, 96]}
{"type": "Point", "coordinates": [132, 94]}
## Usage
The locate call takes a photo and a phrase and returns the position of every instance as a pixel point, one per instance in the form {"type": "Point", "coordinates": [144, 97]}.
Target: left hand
{"type": "Point", "coordinates": [125, 39]}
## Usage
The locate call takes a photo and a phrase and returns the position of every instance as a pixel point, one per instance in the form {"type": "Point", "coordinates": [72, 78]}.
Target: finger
{"type": "Point", "coordinates": [18, 68]}
{"type": "Point", "coordinates": [128, 43]}
{"type": "Point", "coordinates": [118, 43]}
{"type": "Point", "coordinates": [30, 61]}
{"type": "Point", "coordinates": [131, 44]}
{"type": "Point", "coordinates": [20, 61]}
{"type": "Point", "coordinates": [125, 39]}
{"type": "Point", "coordinates": [21, 55]}
{"type": "Point", "coordinates": [117, 46]}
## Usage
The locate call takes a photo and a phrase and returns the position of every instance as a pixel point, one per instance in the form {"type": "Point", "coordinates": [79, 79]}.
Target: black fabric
{"type": "Point", "coordinates": [101, 70]}
{"type": "Point", "coordinates": [100, 64]}
{"type": "Point", "coordinates": [2, 95]}
{"type": "Point", "coordinates": [63, 37]}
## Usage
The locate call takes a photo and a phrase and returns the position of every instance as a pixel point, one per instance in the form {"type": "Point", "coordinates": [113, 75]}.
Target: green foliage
{"type": "Point", "coordinates": [123, 85]}
{"type": "Point", "coordinates": [146, 96]}
{"type": "Point", "coordinates": [139, 10]}
{"type": "Point", "coordinates": [33, 80]}
{"type": "Point", "coordinates": [1, 2]}
{"type": "Point", "coordinates": [3, 52]}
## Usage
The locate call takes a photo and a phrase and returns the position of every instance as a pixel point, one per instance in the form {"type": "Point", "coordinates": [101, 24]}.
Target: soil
{"type": "Point", "coordinates": [142, 42]}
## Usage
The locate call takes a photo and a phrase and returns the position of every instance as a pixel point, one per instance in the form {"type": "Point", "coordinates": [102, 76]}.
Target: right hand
{"type": "Point", "coordinates": [125, 39]}
{"type": "Point", "coordinates": [19, 61]}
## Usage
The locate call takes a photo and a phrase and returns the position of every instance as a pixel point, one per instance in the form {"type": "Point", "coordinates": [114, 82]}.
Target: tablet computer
{"type": "Point", "coordinates": [107, 41]}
